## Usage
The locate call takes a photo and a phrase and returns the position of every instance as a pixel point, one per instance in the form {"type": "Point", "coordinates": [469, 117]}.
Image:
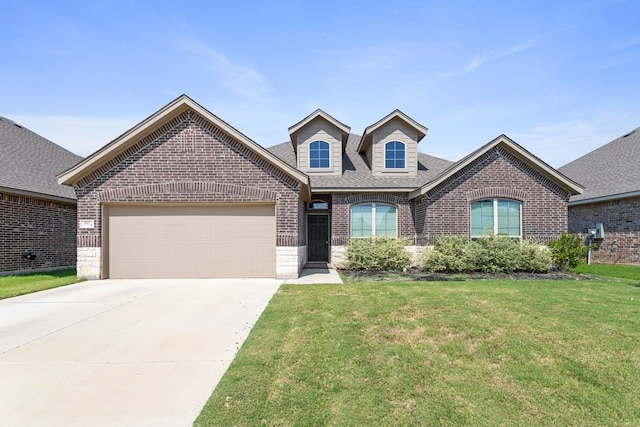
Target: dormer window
{"type": "Point", "coordinates": [319, 153]}
{"type": "Point", "coordinates": [394, 155]}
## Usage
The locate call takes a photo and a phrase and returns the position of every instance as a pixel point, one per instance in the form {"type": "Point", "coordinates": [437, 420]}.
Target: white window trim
{"type": "Point", "coordinates": [309, 156]}
{"type": "Point", "coordinates": [384, 160]}
{"type": "Point", "coordinates": [495, 216]}
{"type": "Point", "coordinates": [373, 219]}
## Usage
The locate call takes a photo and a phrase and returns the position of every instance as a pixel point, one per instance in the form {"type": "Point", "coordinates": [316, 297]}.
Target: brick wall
{"type": "Point", "coordinates": [341, 214]}
{"type": "Point", "coordinates": [496, 174]}
{"type": "Point", "coordinates": [189, 160]}
{"type": "Point", "coordinates": [621, 220]}
{"type": "Point", "coordinates": [47, 228]}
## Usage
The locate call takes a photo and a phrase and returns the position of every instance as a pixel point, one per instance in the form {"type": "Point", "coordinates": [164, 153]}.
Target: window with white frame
{"type": "Point", "coordinates": [394, 155]}
{"type": "Point", "coordinates": [319, 154]}
{"type": "Point", "coordinates": [374, 220]}
{"type": "Point", "coordinates": [496, 216]}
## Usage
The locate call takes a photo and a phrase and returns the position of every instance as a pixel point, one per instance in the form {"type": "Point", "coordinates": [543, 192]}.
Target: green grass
{"type": "Point", "coordinates": [609, 270]}
{"type": "Point", "coordinates": [406, 353]}
{"type": "Point", "coordinates": [11, 286]}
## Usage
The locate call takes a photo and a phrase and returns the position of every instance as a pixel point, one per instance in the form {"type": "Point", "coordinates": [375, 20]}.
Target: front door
{"type": "Point", "coordinates": [318, 238]}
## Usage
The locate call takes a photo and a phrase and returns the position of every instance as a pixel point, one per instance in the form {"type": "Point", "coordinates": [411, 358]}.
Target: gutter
{"type": "Point", "coordinates": [605, 198]}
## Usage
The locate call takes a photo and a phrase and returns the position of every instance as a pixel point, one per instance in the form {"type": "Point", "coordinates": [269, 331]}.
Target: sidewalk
{"type": "Point", "coordinates": [316, 276]}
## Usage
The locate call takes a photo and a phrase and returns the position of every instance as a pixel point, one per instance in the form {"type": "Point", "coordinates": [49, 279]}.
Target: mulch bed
{"type": "Point", "coordinates": [421, 276]}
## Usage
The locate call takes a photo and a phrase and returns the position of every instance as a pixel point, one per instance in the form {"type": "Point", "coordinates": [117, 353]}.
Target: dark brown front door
{"type": "Point", "coordinates": [318, 238]}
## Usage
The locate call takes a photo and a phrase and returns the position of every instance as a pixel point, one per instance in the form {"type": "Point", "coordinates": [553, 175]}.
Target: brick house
{"type": "Point", "coordinates": [184, 194]}
{"type": "Point", "coordinates": [37, 215]}
{"type": "Point", "coordinates": [611, 197]}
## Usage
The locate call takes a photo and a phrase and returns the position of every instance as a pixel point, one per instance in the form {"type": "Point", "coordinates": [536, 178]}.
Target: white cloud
{"type": "Point", "coordinates": [484, 57]}
{"type": "Point", "coordinates": [242, 80]}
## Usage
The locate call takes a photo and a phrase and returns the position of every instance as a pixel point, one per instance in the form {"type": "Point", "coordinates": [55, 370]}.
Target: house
{"type": "Point", "coordinates": [37, 215]}
{"type": "Point", "coordinates": [611, 177]}
{"type": "Point", "coordinates": [184, 194]}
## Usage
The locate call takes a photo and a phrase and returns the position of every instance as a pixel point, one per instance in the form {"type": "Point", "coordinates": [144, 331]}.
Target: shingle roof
{"type": "Point", "coordinates": [29, 162]}
{"type": "Point", "coordinates": [610, 170]}
{"type": "Point", "coordinates": [357, 173]}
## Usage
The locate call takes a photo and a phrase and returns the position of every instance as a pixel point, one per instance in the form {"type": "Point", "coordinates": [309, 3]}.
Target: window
{"type": "Point", "coordinates": [394, 155]}
{"type": "Point", "coordinates": [319, 154]}
{"type": "Point", "coordinates": [495, 216]}
{"type": "Point", "coordinates": [373, 219]}
{"type": "Point", "coordinates": [316, 205]}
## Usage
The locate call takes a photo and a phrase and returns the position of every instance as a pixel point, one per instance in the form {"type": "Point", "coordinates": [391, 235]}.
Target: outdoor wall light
{"type": "Point", "coordinates": [28, 255]}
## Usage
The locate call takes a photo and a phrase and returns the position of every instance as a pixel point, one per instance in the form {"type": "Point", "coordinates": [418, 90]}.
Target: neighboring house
{"type": "Point", "coordinates": [611, 177]}
{"type": "Point", "coordinates": [184, 194]}
{"type": "Point", "coordinates": [37, 215]}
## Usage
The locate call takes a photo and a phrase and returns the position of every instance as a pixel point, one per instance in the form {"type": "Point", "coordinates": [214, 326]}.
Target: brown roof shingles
{"type": "Point", "coordinates": [29, 162]}
{"type": "Point", "coordinates": [357, 173]}
{"type": "Point", "coordinates": [610, 170]}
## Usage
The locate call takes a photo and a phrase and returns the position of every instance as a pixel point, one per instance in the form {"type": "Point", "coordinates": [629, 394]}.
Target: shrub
{"type": "Point", "coordinates": [568, 251]}
{"type": "Point", "coordinates": [379, 253]}
{"type": "Point", "coordinates": [495, 254]}
{"type": "Point", "coordinates": [534, 258]}
{"type": "Point", "coordinates": [447, 255]}
{"type": "Point", "coordinates": [488, 254]}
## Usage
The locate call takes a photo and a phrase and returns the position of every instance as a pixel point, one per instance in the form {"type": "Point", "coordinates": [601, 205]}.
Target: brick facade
{"type": "Point", "coordinates": [621, 220]}
{"type": "Point", "coordinates": [189, 159]}
{"type": "Point", "coordinates": [47, 228]}
{"type": "Point", "coordinates": [445, 210]}
{"type": "Point", "coordinates": [341, 214]}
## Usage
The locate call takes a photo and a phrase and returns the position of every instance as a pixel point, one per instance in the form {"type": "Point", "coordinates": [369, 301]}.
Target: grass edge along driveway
{"type": "Point", "coordinates": [12, 286]}
{"type": "Point", "coordinates": [485, 352]}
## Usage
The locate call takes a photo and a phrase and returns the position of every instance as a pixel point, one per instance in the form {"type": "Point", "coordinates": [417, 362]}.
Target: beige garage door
{"type": "Point", "coordinates": [191, 241]}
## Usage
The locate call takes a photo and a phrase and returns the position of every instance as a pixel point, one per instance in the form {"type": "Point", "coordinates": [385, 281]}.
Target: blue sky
{"type": "Point", "coordinates": [559, 77]}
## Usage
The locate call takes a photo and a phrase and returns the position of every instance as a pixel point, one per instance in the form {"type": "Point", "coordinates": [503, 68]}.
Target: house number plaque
{"type": "Point", "coordinates": [87, 224]}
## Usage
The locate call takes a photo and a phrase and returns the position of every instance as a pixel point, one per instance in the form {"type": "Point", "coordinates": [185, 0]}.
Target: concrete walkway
{"type": "Point", "coordinates": [122, 352]}
{"type": "Point", "coordinates": [316, 276]}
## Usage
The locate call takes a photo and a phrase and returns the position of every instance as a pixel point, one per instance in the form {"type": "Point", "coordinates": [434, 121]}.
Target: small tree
{"type": "Point", "coordinates": [568, 251]}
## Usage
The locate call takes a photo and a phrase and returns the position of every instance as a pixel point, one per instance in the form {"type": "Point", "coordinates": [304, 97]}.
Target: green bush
{"type": "Point", "coordinates": [488, 254]}
{"type": "Point", "coordinates": [380, 253]}
{"type": "Point", "coordinates": [494, 254]}
{"type": "Point", "coordinates": [568, 251]}
{"type": "Point", "coordinates": [534, 258]}
{"type": "Point", "coordinates": [447, 255]}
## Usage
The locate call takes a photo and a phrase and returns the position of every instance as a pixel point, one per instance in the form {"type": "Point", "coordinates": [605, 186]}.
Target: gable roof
{"type": "Point", "coordinates": [395, 114]}
{"type": "Point", "coordinates": [293, 130]}
{"type": "Point", "coordinates": [508, 144]}
{"type": "Point", "coordinates": [174, 108]}
{"type": "Point", "coordinates": [609, 172]}
{"type": "Point", "coordinates": [357, 176]}
{"type": "Point", "coordinates": [29, 163]}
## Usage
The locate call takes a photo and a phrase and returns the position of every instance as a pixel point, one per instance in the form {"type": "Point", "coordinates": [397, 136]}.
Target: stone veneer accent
{"type": "Point", "coordinates": [621, 221]}
{"type": "Point", "coordinates": [45, 227]}
{"type": "Point", "coordinates": [89, 263]}
{"type": "Point", "coordinates": [289, 261]}
{"type": "Point", "coordinates": [188, 159]}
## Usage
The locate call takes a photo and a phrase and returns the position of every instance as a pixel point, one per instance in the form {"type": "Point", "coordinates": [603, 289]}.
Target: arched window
{"type": "Point", "coordinates": [394, 155]}
{"type": "Point", "coordinates": [374, 220]}
{"type": "Point", "coordinates": [319, 154]}
{"type": "Point", "coordinates": [496, 216]}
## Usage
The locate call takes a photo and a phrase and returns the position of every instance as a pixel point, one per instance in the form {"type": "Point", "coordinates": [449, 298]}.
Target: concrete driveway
{"type": "Point", "coordinates": [122, 352]}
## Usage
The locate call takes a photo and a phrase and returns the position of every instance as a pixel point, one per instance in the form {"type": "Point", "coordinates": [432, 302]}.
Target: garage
{"type": "Point", "coordinates": [190, 240]}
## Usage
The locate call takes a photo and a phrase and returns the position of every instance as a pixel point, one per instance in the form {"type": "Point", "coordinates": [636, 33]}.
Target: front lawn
{"type": "Point", "coordinates": [11, 286]}
{"type": "Point", "coordinates": [408, 353]}
{"type": "Point", "coordinates": [608, 270]}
